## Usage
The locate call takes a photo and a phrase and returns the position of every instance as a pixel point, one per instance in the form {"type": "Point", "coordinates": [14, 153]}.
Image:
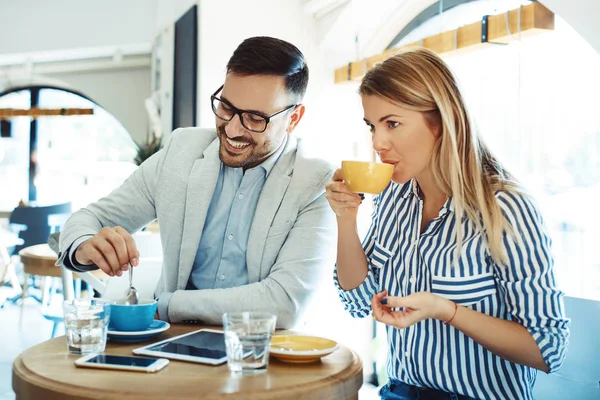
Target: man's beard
{"type": "Point", "coordinates": [230, 159]}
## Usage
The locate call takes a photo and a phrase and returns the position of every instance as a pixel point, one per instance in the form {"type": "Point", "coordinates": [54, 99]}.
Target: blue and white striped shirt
{"type": "Point", "coordinates": [404, 261]}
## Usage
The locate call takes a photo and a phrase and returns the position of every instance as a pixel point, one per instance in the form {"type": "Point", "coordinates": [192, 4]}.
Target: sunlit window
{"type": "Point", "coordinates": [535, 104]}
{"type": "Point", "coordinates": [14, 153]}
{"type": "Point", "coordinates": [79, 158]}
{"type": "Point", "coordinates": [541, 119]}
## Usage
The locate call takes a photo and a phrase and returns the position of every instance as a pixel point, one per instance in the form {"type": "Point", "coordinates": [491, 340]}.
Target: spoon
{"type": "Point", "coordinates": [132, 295]}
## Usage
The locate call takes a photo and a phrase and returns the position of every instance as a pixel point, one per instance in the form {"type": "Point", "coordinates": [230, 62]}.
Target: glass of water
{"type": "Point", "coordinates": [86, 323]}
{"type": "Point", "coordinates": [247, 340]}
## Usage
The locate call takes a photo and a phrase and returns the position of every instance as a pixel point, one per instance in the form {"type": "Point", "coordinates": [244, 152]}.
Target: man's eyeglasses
{"type": "Point", "coordinates": [250, 120]}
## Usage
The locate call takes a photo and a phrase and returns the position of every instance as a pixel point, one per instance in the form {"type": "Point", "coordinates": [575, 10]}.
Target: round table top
{"type": "Point", "coordinates": [40, 252]}
{"type": "Point", "coordinates": [40, 260]}
{"type": "Point", "coordinates": [47, 371]}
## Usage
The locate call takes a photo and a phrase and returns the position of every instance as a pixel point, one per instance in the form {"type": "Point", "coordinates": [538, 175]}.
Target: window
{"type": "Point", "coordinates": [14, 153]}
{"type": "Point", "coordinates": [538, 115]}
{"type": "Point", "coordinates": [534, 102]}
{"type": "Point", "coordinates": [79, 158]}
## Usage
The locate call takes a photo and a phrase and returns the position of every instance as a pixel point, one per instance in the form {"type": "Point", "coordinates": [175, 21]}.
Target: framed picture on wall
{"type": "Point", "coordinates": [161, 81]}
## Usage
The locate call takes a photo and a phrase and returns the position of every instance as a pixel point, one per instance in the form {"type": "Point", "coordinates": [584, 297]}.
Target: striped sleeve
{"type": "Point", "coordinates": [358, 300]}
{"type": "Point", "coordinates": [528, 283]}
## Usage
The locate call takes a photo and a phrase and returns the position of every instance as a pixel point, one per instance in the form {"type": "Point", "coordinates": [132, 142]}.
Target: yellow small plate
{"type": "Point", "coordinates": [301, 349]}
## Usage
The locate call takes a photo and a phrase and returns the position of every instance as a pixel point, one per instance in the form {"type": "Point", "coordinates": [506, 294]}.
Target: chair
{"type": "Point", "coordinates": [51, 310]}
{"type": "Point", "coordinates": [40, 260]}
{"type": "Point", "coordinates": [8, 240]}
{"type": "Point", "coordinates": [35, 224]}
{"type": "Point", "coordinates": [579, 377]}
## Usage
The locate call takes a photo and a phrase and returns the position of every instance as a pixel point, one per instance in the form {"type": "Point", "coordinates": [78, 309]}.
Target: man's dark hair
{"type": "Point", "coordinates": [263, 55]}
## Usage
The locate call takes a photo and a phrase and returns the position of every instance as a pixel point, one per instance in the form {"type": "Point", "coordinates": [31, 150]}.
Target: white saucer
{"type": "Point", "coordinates": [154, 329]}
{"type": "Point", "coordinates": [301, 348]}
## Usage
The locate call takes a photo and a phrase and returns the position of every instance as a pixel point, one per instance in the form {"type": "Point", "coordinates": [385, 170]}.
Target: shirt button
{"type": "Point", "coordinates": [222, 277]}
{"type": "Point", "coordinates": [412, 280]}
{"type": "Point", "coordinates": [241, 196]}
{"type": "Point", "coordinates": [230, 237]}
{"type": "Point", "coordinates": [406, 353]}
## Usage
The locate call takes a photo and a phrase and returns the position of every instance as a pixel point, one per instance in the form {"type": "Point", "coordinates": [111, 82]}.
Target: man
{"type": "Point", "coordinates": [243, 217]}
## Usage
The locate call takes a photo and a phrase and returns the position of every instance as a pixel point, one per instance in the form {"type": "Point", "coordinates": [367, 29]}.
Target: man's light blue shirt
{"type": "Point", "coordinates": [221, 257]}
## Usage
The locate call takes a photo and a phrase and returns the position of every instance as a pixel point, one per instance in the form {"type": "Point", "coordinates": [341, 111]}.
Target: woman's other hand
{"type": "Point", "coordinates": [403, 312]}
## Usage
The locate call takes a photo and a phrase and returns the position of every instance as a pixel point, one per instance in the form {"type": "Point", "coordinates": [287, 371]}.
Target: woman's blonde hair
{"type": "Point", "coordinates": [462, 165]}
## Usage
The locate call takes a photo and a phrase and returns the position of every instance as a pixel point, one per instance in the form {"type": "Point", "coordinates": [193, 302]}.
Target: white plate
{"type": "Point", "coordinates": [137, 336]}
{"type": "Point", "coordinates": [301, 348]}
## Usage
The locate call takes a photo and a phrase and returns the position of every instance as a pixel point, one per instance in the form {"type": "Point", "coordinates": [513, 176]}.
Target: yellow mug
{"type": "Point", "coordinates": [367, 177]}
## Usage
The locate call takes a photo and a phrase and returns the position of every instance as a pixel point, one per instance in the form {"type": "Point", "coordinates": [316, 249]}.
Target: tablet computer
{"type": "Point", "coordinates": [206, 346]}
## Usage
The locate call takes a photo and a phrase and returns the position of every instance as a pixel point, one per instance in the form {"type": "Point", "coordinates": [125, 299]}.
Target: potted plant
{"type": "Point", "coordinates": [145, 150]}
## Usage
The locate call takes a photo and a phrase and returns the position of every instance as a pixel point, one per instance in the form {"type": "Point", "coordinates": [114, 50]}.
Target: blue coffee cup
{"type": "Point", "coordinates": [132, 317]}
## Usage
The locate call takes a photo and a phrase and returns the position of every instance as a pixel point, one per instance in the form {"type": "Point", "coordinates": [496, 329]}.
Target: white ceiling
{"type": "Point", "coordinates": [124, 29]}
{"type": "Point", "coordinates": [360, 28]}
{"type": "Point", "coordinates": [37, 31]}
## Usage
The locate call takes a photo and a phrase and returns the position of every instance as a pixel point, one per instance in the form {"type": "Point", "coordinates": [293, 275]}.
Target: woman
{"type": "Point", "coordinates": [457, 262]}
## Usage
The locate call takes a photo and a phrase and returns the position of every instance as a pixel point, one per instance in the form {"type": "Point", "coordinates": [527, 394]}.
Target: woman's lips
{"type": "Point", "coordinates": [394, 163]}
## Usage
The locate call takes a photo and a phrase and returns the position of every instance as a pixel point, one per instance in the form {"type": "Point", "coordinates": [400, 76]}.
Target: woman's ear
{"type": "Point", "coordinates": [433, 120]}
{"type": "Point", "coordinates": [435, 130]}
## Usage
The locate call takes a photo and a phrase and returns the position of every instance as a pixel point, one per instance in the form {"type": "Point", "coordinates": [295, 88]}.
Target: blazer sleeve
{"type": "Point", "coordinates": [130, 206]}
{"type": "Point", "coordinates": [302, 263]}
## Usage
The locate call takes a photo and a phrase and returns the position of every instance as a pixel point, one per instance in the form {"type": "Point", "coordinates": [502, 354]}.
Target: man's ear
{"type": "Point", "coordinates": [295, 117]}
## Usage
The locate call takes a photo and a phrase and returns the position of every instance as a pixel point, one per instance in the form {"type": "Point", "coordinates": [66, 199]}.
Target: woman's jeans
{"type": "Point", "coordinates": [396, 390]}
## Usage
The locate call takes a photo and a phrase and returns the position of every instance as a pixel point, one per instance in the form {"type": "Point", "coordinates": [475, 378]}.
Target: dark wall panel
{"type": "Point", "coordinates": [185, 69]}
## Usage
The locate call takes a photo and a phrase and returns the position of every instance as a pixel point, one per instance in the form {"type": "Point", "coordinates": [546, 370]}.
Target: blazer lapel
{"type": "Point", "coordinates": [200, 188]}
{"type": "Point", "coordinates": [269, 201]}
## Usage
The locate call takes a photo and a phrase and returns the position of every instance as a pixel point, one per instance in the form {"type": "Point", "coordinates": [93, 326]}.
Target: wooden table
{"type": "Point", "coordinates": [41, 260]}
{"type": "Point", "coordinates": [46, 371]}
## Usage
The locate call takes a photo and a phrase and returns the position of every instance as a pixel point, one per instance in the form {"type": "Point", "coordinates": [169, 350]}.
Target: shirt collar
{"type": "Point", "coordinates": [409, 188]}
{"type": "Point", "coordinates": [412, 188]}
{"type": "Point", "coordinates": [448, 206]}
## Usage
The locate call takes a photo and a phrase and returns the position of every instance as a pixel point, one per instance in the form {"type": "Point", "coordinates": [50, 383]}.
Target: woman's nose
{"type": "Point", "coordinates": [380, 142]}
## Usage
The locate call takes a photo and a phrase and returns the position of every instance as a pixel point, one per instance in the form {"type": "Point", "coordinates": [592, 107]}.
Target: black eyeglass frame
{"type": "Point", "coordinates": [236, 111]}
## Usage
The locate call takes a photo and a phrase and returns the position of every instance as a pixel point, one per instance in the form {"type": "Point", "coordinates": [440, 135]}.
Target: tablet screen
{"type": "Point", "coordinates": [200, 344]}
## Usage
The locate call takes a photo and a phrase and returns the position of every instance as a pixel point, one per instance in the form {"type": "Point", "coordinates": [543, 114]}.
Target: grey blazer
{"type": "Point", "coordinates": [291, 246]}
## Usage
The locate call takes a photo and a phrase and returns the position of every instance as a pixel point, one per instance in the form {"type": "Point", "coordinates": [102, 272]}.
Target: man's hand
{"type": "Point", "coordinates": [111, 249]}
